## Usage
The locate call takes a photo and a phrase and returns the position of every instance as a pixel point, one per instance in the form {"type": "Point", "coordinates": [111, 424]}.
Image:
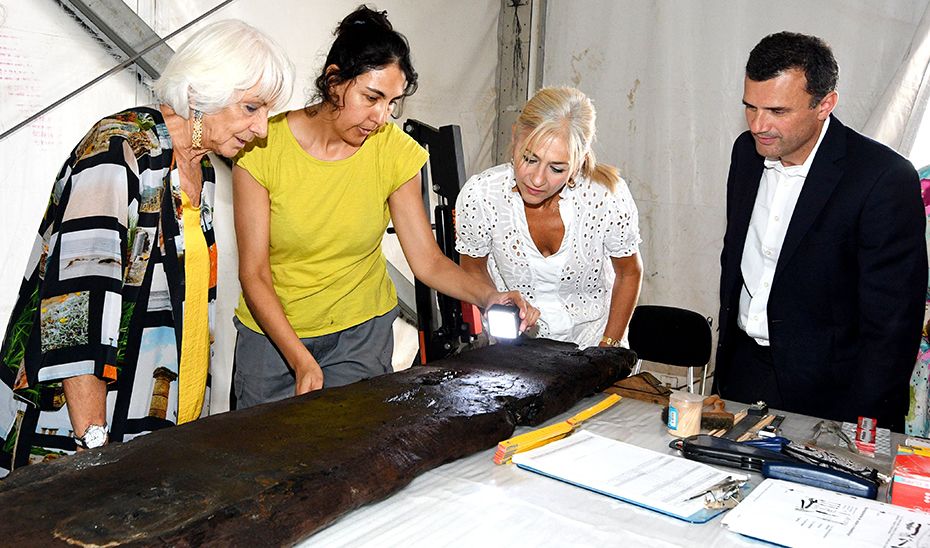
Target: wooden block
{"type": "Point", "coordinates": [642, 386]}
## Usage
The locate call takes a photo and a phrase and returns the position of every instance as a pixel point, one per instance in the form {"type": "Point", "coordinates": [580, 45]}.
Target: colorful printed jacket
{"type": "Point", "coordinates": [103, 291]}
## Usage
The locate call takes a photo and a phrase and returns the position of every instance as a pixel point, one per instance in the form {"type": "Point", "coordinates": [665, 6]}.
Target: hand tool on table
{"type": "Point", "coordinates": [714, 414]}
{"type": "Point", "coordinates": [818, 473]}
{"type": "Point", "coordinates": [724, 494]}
{"type": "Point", "coordinates": [541, 436]}
{"type": "Point", "coordinates": [747, 427]}
{"type": "Point", "coordinates": [754, 429]}
{"type": "Point", "coordinates": [724, 452]}
{"type": "Point", "coordinates": [831, 428]}
{"type": "Point", "coordinates": [818, 476]}
{"type": "Point", "coordinates": [764, 456]}
{"type": "Point", "coordinates": [772, 430]}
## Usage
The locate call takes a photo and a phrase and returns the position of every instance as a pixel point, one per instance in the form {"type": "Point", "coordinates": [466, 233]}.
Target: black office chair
{"type": "Point", "coordinates": [673, 336]}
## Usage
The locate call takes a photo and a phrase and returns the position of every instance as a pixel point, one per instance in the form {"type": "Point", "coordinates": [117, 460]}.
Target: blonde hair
{"type": "Point", "coordinates": [218, 63]}
{"type": "Point", "coordinates": [563, 112]}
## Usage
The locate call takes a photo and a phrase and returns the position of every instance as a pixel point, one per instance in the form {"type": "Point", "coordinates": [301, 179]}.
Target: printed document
{"type": "Point", "coordinates": [647, 478]}
{"type": "Point", "coordinates": [799, 515]}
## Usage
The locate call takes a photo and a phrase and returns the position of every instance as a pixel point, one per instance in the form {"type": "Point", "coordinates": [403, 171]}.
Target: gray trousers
{"type": "Point", "coordinates": [261, 375]}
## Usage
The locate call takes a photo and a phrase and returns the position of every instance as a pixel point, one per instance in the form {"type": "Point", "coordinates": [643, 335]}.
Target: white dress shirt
{"type": "Point", "coordinates": [775, 201]}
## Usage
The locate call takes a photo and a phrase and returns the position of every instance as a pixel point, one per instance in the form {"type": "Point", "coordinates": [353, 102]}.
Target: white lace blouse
{"type": "Point", "coordinates": [571, 287]}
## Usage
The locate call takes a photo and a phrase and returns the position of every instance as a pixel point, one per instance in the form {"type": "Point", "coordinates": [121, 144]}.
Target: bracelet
{"type": "Point", "coordinates": [610, 341]}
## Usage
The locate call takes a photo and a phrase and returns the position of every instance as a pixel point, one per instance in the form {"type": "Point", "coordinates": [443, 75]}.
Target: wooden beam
{"type": "Point", "coordinates": [274, 474]}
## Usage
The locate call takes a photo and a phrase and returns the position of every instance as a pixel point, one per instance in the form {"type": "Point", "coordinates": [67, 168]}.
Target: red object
{"type": "Point", "coordinates": [865, 435]}
{"type": "Point", "coordinates": [911, 487]}
{"type": "Point", "coordinates": [471, 315]}
{"type": "Point", "coordinates": [865, 430]}
{"type": "Point", "coordinates": [422, 348]}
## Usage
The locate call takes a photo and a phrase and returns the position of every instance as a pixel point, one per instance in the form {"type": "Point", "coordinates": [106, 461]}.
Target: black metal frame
{"type": "Point", "coordinates": [440, 320]}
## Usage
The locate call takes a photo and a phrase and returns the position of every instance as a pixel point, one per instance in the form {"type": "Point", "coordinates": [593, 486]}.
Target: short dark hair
{"type": "Point", "coordinates": [782, 51]}
{"type": "Point", "coordinates": [365, 41]}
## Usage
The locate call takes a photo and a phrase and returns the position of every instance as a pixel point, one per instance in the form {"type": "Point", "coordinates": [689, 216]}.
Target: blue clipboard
{"type": "Point", "coordinates": [618, 470]}
{"type": "Point", "coordinates": [702, 516]}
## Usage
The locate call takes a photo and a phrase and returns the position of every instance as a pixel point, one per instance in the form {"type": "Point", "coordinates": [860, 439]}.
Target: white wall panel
{"type": "Point", "coordinates": [667, 80]}
{"type": "Point", "coordinates": [44, 55]}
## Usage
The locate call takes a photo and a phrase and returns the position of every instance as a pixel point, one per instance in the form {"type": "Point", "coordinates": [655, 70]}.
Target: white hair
{"type": "Point", "coordinates": [221, 61]}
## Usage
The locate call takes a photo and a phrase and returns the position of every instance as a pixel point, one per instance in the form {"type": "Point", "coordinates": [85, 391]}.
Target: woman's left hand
{"type": "Point", "coordinates": [528, 313]}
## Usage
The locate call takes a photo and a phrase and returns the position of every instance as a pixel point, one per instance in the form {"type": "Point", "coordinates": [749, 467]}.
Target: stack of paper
{"type": "Point", "coordinates": [665, 483]}
{"type": "Point", "coordinates": [792, 514]}
{"type": "Point", "coordinates": [541, 436]}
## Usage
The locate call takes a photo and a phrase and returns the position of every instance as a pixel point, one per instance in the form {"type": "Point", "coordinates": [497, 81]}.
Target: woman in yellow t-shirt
{"type": "Point", "coordinates": [311, 206]}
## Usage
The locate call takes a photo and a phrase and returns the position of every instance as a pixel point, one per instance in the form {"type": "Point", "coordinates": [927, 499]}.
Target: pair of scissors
{"type": "Point", "coordinates": [834, 428]}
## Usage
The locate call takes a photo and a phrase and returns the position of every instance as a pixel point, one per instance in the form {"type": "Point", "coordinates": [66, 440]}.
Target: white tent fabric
{"type": "Point", "coordinates": [667, 80]}
{"type": "Point", "coordinates": [898, 116]}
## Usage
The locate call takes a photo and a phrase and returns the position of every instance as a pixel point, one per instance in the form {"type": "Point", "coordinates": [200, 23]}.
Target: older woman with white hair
{"type": "Point", "coordinates": [556, 225]}
{"type": "Point", "coordinates": [112, 331]}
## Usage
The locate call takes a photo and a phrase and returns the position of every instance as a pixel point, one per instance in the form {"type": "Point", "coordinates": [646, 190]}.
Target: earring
{"type": "Point", "coordinates": [571, 182]}
{"type": "Point", "coordinates": [197, 133]}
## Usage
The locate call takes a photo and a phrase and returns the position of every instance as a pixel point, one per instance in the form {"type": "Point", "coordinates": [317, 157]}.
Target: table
{"type": "Point", "coordinates": [473, 502]}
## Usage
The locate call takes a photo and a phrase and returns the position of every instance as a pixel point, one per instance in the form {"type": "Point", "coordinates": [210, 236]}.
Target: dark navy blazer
{"type": "Point", "coordinates": [846, 306]}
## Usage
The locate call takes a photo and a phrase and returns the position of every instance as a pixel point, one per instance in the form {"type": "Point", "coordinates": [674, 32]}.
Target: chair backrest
{"type": "Point", "coordinates": [670, 335]}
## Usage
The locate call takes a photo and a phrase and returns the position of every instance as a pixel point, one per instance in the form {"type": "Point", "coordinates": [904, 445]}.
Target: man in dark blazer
{"type": "Point", "coordinates": [824, 264]}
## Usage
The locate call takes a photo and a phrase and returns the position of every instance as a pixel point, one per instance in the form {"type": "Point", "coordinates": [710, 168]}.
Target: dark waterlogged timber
{"type": "Point", "coordinates": [277, 473]}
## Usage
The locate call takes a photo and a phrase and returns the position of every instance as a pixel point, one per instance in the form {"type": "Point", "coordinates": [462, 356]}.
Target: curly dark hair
{"type": "Point", "coordinates": [782, 51]}
{"type": "Point", "coordinates": [365, 41]}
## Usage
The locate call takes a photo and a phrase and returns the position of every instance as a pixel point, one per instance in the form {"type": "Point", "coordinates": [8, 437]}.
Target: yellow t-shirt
{"type": "Point", "coordinates": [327, 222]}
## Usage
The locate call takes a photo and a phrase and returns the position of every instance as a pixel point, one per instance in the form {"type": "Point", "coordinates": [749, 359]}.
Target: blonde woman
{"type": "Point", "coordinates": [555, 225]}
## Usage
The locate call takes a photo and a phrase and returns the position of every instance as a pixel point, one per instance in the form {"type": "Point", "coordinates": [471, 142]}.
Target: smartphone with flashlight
{"type": "Point", "coordinates": [503, 321]}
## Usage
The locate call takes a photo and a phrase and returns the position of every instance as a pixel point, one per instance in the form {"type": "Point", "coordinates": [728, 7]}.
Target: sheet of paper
{"type": "Point", "coordinates": [792, 514]}
{"type": "Point", "coordinates": [627, 472]}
